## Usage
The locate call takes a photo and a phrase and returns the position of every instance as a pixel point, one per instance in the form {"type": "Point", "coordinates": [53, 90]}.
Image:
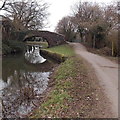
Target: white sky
{"type": "Point", "coordinates": [61, 8]}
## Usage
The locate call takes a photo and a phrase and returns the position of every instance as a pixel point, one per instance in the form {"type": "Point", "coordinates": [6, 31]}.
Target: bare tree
{"type": "Point", "coordinates": [3, 5]}
{"type": "Point", "coordinates": [66, 28]}
{"type": "Point", "coordinates": [85, 16]}
{"type": "Point", "coordinates": [97, 19]}
{"type": "Point", "coordinates": [111, 16]}
{"type": "Point", "coordinates": [27, 14]}
{"type": "Point", "coordinates": [85, 13]}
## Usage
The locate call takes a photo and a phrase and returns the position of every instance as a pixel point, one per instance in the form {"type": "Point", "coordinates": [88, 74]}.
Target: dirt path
{"type": "Point", "coordinates": [106, 71]}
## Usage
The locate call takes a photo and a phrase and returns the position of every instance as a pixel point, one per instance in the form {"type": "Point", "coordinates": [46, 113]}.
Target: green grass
{"type": "Point", "coordinates": [66, 69]}
{"type": "Point", "coordinates": [43, 44]}
{"type": "Point", "coordinates": [60, 94]}
{"type": "Point", "coordinates": [64, 50]}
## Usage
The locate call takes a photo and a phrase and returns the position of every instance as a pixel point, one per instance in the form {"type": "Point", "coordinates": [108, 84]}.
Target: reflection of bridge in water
{"type": "Point", "coordinates": [33, 54]}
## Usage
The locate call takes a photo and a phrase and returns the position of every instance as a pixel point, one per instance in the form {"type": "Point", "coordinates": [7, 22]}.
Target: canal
{"type": "Point", "coordinates": [25, 77]}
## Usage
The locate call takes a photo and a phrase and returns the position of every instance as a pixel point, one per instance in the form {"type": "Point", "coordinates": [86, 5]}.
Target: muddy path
{"type": "Point", "coordinates": [106, 72]}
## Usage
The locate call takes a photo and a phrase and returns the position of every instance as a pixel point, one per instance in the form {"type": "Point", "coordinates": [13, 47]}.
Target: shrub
{"type": "Point", "coordinates": [6, 49]}
{"type": "Point", "coordinates": [12, 47]}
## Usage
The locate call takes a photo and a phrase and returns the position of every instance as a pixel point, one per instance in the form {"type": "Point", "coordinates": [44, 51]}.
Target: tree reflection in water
{"type": "Point", "coordinates": [23, 100]}
{"type": "Point", "coordinates": [22, 84]}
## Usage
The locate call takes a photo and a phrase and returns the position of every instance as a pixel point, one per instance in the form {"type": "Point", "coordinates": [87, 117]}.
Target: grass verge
{"type": "Point", "coordinates": [60, 94]}
{"type": "Point", "coordinates": [43, 44]}
{"type": "Point", "coordinates": [64, 50]}
{"type": "Point", "coordinates": [75, 93]}
{"type": "Point", "coordinates": [59, 53]}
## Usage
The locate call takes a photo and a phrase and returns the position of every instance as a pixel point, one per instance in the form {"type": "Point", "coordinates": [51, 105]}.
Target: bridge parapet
{"type": "Point", "coordinates": [52, 38]}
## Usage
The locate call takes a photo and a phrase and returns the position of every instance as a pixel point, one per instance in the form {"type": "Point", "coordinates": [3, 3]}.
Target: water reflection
{"type": "Point", "coordinates": [33, 55]}
{"type": "Point", "coordinates": [22, 84]}
{"type": "Point", "coordinates": [22, 100]}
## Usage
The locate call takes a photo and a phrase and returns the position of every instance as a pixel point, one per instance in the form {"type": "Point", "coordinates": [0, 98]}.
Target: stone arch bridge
{"type": "Point", "coordinates": [52, 38]}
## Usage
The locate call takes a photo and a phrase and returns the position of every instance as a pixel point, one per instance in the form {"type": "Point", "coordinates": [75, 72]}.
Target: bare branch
{"type": "Point", "coordinates": [3, 4]}
{"type": "Point", "coordinates": [25, 14]}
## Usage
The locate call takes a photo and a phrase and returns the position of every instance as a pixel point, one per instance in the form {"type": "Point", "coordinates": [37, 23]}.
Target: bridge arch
{"type": "Point", "coordinates": [52, 38]}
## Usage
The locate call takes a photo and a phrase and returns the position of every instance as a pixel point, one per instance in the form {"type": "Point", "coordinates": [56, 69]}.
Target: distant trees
{"type": "Point", "coordinates": [7, 27]}
{"type": "Point", "coordinates": [89, 21]}
{"type": "Point", "coordinates": [95, 24]}
{"type": "Point", "coordinates": [27, 14]}
{"type": "Point", "coordinates": [66, 28]}
{"type": "Point", "coordinates": [111, 19]}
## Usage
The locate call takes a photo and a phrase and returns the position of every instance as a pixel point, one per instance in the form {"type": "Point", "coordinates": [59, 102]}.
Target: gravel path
{"type": "Point", "coordinates": [106, 71]}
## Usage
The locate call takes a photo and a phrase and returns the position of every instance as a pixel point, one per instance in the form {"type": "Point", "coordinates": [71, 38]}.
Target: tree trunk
{"type": "Point", "coordinates": [94, 42]}
{"type": "Point", "coordinates": [112, 48]}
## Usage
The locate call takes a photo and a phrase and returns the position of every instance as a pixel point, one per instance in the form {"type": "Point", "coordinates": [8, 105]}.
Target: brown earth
{"type": "Point", "coordinates": [88, 98]}
{"type": "Point", "coordinates": [107, 74]}
{"type": "Point", "coordinates": [105, 52]}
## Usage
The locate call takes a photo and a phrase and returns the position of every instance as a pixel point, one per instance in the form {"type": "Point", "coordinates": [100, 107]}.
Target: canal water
{"type": "Point", "coordinates": [24, 78]}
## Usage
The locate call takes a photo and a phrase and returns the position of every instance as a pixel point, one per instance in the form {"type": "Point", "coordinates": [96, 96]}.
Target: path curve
{"type": "Point", "coordinates": [106, 72]}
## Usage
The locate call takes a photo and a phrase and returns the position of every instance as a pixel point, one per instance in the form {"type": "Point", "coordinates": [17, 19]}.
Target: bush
{"type": "Point", "coordinates": [6, 49]}
{"type": "Point", "coordinates": [12, 47]}
{"type": "Point", "coordinates": [16, 46]}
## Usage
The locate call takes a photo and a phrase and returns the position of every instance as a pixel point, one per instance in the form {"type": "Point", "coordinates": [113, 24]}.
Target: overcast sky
{"type": "Point", "coordinates": [61, 8]}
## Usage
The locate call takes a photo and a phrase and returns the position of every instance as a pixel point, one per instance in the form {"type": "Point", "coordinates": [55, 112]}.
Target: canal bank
{"type": "Point", "coordinates": [75, 93]}
{"type": "Point", "coordinates": [72, 92]}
